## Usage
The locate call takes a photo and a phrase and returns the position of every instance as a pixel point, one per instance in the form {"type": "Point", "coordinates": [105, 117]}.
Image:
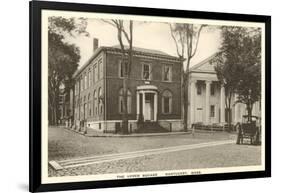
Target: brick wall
{"type": "Point", "coordinates": [83, 95]}
{"type": "Point", "coordinates": [114, 84]}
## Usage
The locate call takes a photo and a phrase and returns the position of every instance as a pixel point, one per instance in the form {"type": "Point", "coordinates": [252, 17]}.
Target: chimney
{"type": "Point", "coordinates": [95, 44]}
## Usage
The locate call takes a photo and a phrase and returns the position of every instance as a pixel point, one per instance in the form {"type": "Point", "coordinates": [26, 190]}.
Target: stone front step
{"type": "Point", "coordinates": [151, 127]}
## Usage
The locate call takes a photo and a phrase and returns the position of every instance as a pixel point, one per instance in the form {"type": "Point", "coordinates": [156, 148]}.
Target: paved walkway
{"type": "Point", "coordinates": [71, 163]}
{"type": "Point", "coordinates": [101, 134]}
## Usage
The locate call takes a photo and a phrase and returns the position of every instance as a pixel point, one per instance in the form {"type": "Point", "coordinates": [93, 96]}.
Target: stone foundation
{"type": "Point", "coordinates": [171, 125]}
{"type": "Point", "coordinates": [114, 126]}
{"type": "Point", "coordinates": [109, 126]}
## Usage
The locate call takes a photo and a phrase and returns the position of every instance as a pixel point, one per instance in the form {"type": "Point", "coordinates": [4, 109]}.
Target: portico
{"type": "Point", "coordinates": [207, 101]}
{"type": "Point", "coordinates": [207, 98]}
{"type": "Point", "coordinates": [147, 100]}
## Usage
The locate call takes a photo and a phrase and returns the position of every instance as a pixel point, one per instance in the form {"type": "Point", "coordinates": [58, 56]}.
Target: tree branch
{"type": "Point", "coordinates": [175, 40]}
{"type": "Point", "coordinates": [112, 23]}
{"type": "Point", "coordinates": [198, 35]}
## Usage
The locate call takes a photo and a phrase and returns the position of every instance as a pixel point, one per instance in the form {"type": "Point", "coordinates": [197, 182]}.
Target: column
{"type": "Point", "coordinates": [138, 105]}
{"type": "Point", "coordinates": [155, 106]}
{"type": "Point", "coordinates": [207, 102]}
{"type": "Point", "coordinates": [254, 109]}
{"type": "Point", "coordinates": [192, 102]}
{"type": "Point", "coordinates": [236, 109]}
{"type": "Point", "coordinates": [143, 104]}
{"type": "Point", "coordinates": [222, 105]}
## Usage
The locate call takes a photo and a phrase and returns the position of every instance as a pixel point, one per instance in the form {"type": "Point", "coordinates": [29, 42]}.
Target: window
{"type": "Point", "coordinates": [95, 105]}
{"type": "Point", "coordinates": [121, 101]}
{"type": "Point", "coordinates": [212, 89]}
{"type": "Point", "coordinates": [98, 71]}
{"type": "Point", "coordinates": [85, 83]}
{"type": "Point", "coordinates": [85, 107]}
{"type": "Point", "coordinates": [95, 73]}
{"type": "Point", "coordinates": [81, 84]}
{"type": "Point", "coordinates": [100, 68]}
{"type": "Point", "coordinates": [81, 111]}
{"type": "Point", "coordinates": [76, 102]}
{"type": "Point", "coordinates": [89, 78]}
{"type": "Point", "coordinates": [89, 105]}
{"type": "Point", "coordinates": [199, 88]}
{"type": "Point", "coordinates": [77, 88]}
{"type": "Point", "coordinates": [166, 102]}
{"type": "Point", "coordinates": [100, 101]}
{"type": "Point", "coordinates": [212, 111]}
{"type": "Point", "coordinates": [123, 70]}
{"type": "Point", "coordinates": [167, 73]}
{"type": "Point", "coordinates": [146, 72]}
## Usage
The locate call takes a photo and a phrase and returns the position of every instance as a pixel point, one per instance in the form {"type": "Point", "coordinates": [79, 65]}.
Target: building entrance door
{"type": "Point", "coordinates": [147, 99]}
{"type": "Point", "coordinates": [149, 110]}
{"type": "Point", "coordinates": [199, 115]}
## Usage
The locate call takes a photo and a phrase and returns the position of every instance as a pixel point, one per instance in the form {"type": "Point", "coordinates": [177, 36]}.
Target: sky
{"type": "Point", "coordinates": [149, 35]}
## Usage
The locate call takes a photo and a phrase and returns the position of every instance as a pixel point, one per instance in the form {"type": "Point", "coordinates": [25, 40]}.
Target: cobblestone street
{"type": "Point", "coordinates": [65, 144]}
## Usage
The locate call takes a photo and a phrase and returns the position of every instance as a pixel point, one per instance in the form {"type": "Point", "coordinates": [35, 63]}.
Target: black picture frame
{"type": "Point", "coordinates": [35, 184]}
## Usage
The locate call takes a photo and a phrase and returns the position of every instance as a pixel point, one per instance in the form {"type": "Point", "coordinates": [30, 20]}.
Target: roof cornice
{"type": "Point", "coordinates": [118, 50]}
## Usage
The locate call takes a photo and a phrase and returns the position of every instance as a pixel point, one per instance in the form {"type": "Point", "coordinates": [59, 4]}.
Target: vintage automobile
{"type": "Point", "coordinates": [249, 129]}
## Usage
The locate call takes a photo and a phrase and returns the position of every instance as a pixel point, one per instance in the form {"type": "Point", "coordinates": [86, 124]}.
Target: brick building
{"type": "Point", "coordinates": [154, 90]}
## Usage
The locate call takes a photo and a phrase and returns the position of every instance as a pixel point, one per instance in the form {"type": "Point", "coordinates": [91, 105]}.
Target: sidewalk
{"type": "Point", "coordinates": [101, 134]}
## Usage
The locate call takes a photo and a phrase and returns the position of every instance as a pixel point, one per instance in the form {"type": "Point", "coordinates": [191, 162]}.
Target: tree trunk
{"type": "Point", "coordinates": [125, 90]}
{"type": "Point", "coordinates": [55, 116]}
{"type": "Point", "coordinates": [229, 111]}
{"type": "Point", "coordinates": [185, 91]}
{"type": "Point", "coordinates": [185, 104]}
{"type": "Point", "coordinates": [125, 105]}
{"type": "Point", "coordinates": [182, 96]}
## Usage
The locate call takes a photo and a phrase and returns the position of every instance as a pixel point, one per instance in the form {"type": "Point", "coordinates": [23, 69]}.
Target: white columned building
{"type": "Point", "coordinates": [207, 98]}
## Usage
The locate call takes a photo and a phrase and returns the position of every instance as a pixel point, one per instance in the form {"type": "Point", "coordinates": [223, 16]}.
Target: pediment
{"type": "Point", "coordinates": [204, 66]}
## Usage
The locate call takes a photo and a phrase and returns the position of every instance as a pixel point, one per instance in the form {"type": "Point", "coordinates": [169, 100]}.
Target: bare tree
{"type": "Point", "coordinates": [186, 38]}
{"type": "Point", "coordinates": [127, 53]}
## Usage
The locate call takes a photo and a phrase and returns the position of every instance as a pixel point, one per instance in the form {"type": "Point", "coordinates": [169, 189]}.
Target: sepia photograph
{"type": "Point", "coordinates": [134, 96]}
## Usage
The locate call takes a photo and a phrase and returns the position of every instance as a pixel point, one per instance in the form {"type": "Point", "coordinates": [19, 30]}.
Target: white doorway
{"type": "Point", "coordinates": [149, 110]}
{"type": "Point", "coordinates": [199, 115]}
{"type": "Point", "coordinates": [146, 105]}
